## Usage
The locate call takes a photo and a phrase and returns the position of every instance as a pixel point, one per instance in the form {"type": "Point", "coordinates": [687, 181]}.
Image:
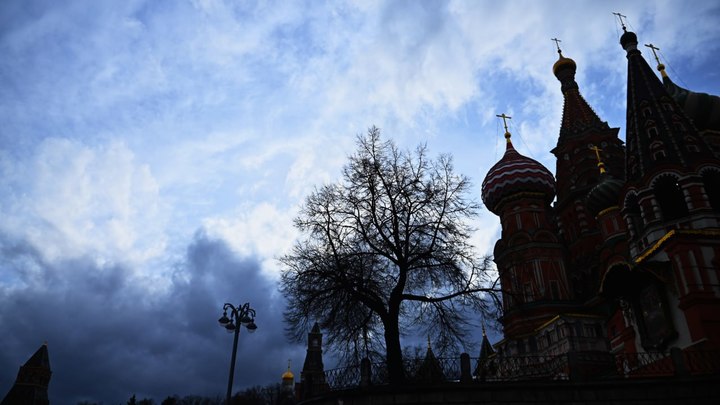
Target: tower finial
{"type": "Point", "coordinates": [557, 44]}
{"type": "Point", "coordinates": [505, 118]}
{"type": "Point", "coordinates": [289, 364]}
{"type": "Point", "coordinates": [600, 164]}
{"type": "Point", "coordinates": [660, 66]}
{"type": "Point", "coordinates": [429, 348]}
{"type": "Point", "coordinates": [620, 17]}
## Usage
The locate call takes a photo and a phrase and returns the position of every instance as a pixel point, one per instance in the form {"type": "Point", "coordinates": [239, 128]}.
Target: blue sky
{"type": "Point", "coordinates": [154, 153]}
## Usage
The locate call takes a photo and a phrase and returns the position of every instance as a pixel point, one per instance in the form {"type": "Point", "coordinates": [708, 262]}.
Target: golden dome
{"type": "Point", "coordinates": [288, 375]}
{"type": "Point", "coordinates": [562, 64]}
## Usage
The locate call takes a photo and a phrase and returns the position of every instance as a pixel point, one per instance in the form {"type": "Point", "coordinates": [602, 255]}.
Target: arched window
{"type": "Point", "coordinates": [711, 182]}
{"type": "Point", "coordinates": [670, 197]}
{"type": "Point", "coordinates": [652, 132]}
{"type": "Point", "coordinates": [657, 150]}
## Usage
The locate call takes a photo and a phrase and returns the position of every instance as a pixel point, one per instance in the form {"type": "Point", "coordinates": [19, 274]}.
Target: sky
{"type": "Point", "coordinates": [153, 154]}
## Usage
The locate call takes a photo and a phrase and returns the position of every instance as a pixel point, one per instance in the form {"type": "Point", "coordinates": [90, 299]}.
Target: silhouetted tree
{"type": "Point", "coordinates": [257, 395]}
{"type": "Point", "coordinates": [170, 401]}
{"type": "Point", "coordinates": [145, 401]}
{"type": "Point", "coordinates": [385, 248]}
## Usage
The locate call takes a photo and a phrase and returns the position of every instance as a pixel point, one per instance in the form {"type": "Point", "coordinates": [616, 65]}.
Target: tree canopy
{"type": "Point", "coordinates": [386, 250]}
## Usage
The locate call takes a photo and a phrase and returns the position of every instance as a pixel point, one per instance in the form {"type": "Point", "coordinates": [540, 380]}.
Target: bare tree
{"type": "Point", "coordinates": [387, 250]}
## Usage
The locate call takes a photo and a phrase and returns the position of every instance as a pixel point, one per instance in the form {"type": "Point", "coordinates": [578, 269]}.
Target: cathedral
{"type": "Point", "coordinates": [618, 251]}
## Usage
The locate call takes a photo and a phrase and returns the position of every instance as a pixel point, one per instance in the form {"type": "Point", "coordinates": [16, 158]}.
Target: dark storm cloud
{"type": "Point", "coordinates": [110, 337]}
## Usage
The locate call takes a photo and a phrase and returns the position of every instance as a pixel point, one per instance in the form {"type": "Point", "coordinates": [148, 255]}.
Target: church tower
{"type": "Point", "coordinates": [312, 376]}
{"type": "Point", "coordinates": [581, 132]}
{"type": "Point", "coordinates": [528, 255]}
{"type": "Point", "coordinates": [674, 229]}
{"type": "Point", "coordinates": [31, 385]}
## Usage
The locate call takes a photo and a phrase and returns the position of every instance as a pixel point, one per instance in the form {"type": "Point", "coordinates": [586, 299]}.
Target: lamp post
{"type": "Point", "coordinates": [239, 316]}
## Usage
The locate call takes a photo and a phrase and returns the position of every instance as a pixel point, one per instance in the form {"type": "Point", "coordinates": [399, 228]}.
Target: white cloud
{"type": "Point", "coordinates": [262, 230]}
{"type": "Point", "coordinates": [70, 199]}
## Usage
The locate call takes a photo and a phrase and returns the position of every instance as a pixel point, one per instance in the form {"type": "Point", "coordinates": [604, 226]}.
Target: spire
{"type": "Point", "coordinates": [577, 116]}
{"type": "Point", "coordinates": [32, 381]}
{"type": "Point", "coordinates": [658, 131]}
{"type": "Point", "coordinates": [430, 370]}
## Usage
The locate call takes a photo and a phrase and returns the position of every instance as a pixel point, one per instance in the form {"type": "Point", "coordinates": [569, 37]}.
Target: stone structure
{"type": "Point", "coordinates": [31, 385]}
{"type": "Point", "coordinates": [312, 376]}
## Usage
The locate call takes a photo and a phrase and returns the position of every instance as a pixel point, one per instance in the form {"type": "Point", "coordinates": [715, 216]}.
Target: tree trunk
{"type": "Point", "coordinates": [394, 360]}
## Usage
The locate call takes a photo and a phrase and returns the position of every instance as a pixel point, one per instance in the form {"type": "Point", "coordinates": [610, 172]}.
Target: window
{"type": "Point", "coordinates": [632, 214]}
{"type": "Point", "coordinates": [652, 132]}
{"type": "Point", "coordinates": [711, 181]}
{"type": "Point", "coordinates": [657, 150]}
{"type": "Point", "coordinates": [670, 197]}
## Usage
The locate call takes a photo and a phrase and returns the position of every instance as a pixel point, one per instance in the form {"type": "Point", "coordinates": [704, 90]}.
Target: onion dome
{"type": "Point", "coordinates": [629, 41]}
{"type": "Point", "coordinates": [604, 195]}
{"type": "Point", "coordinates": [563, 65]}
{"type": "Point", "coordinates": [514, 174]}
{"type": "Point", "coordinates": [702, 108]}
{"type": "Point", "coordinates": [288, 375]}
{"type": "Point", "coordinates": [578, 116]}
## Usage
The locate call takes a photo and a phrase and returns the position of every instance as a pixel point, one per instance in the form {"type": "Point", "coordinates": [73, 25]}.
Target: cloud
{"type": "Point", "coordinates": [69, 199]}
{"type": "Point", "coordinates": [109, 337]}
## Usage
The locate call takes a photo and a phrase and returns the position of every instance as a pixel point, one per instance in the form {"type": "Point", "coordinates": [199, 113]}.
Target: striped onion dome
{"type": "Point", "coordinates": [513, 174]}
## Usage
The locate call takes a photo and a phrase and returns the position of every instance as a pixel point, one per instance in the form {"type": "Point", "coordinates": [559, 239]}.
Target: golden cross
{"type": "Point", "coordinates": [504, 118]}
{"type": "Point", "coordinates": [557, 43]}
{"type": "Point", "coordinates": [620, 17]}
{"type": "Point", "coordinates": [601, 165]}
{"type": "Point", "coordinates": [654, 48]}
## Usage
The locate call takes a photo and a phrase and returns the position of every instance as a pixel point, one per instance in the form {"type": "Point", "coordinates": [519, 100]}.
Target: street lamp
{"type": "Point", "coordinates": [239, 316]}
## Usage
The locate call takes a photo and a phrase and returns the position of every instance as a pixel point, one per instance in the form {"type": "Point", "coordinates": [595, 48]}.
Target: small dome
{"type": "Point", "coordinates": [564, 64]}
{"type": "Point", "coordinates": [604, 195]}
{"type": "Point", "coordinates": [288, 375]}
{"type": "Point", "coordinates": [629, 40]}
{"type": "Point", "coordinates": [515, 173]}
